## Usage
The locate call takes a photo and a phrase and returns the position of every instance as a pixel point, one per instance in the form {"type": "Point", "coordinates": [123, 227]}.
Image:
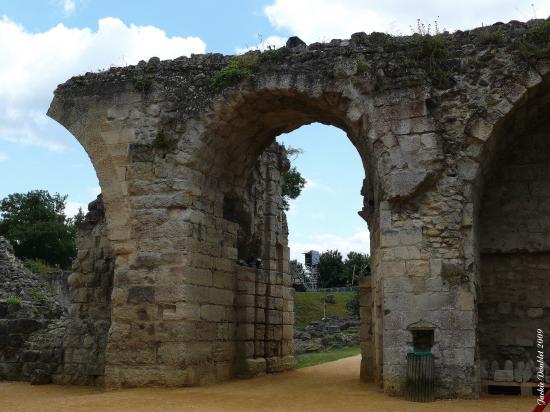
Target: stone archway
{"type": "Point", "coordinates": [234, 137]}
{"type": "Point", "coordinates": [176, 157]}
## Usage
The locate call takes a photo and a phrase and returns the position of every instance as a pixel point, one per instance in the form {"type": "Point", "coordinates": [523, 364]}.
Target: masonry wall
{"type": "Point", "coordinates": [264, 295]}
{"type": "Point", "coordinates": [174, 142]}
{"type": "Point", "coordinates": [31, 326]}
{"type": "Point", "coordinates": [89, 306]}
{"type": "Point", "coordinates": [515, 252]}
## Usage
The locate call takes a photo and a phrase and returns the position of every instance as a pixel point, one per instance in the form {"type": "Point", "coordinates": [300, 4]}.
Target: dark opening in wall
{"type": "Point", "coordinates": [423, 340]}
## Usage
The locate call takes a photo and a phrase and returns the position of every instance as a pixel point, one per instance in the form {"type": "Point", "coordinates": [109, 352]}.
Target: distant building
{"type": "Point", "coordinates": [312, 258]}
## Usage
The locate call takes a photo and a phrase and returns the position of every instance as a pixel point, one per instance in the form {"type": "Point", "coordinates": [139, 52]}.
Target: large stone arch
{"type": "Point", "coordinates": [238, 130]}
{"type": "Point", "coordinates": [190, 206]}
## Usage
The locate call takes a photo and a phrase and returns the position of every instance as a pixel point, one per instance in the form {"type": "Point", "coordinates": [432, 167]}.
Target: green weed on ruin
{"type": "Point", "coordinates": [431, 51]}
{"type": "Point", "coordinates": [164, 142]}
{"type": "Point", "coordinates": [239, 68]}
{"type": "Point", "coordinates": [246, 66]}
{"type": "Point", "coordinates": [536, 44]}
{"type": "Point", "coordinates": [13, 300]}
{"type": "Point", "coordinates": [143, 84]}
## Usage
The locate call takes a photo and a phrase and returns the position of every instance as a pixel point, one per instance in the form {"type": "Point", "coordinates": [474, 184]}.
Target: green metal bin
{"type": "Point", "coordinates": [420, 377]}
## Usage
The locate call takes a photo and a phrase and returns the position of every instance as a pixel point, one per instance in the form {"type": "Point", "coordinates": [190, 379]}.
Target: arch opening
{"type": "Point", "coordinates": [245, 181]}
{"type": "Point", "coordinates": [514, 241]}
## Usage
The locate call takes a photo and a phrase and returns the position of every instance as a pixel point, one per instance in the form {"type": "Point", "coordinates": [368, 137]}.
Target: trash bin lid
{"type": "Point", "coordinates": [418, 353]}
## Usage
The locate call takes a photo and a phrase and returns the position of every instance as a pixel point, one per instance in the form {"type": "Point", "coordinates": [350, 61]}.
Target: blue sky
{"type": "Point", "coordinates": [44, 42]}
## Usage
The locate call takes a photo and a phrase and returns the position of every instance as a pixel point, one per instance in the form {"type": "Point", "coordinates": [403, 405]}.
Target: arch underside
{"type": "Point", "coordinates": [514, 240]}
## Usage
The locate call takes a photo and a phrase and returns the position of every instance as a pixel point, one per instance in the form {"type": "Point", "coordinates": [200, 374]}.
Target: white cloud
{"type": "Point", "coordinates": [33, 64]}
{"type": "Point", "coordinates": [358, 242]}
{"type": "Point", "coordinates": [3, 157]}
{"type": "Point", "coordinates": [322, 20]}
{"type": "Point", "coordinates": [310, 183]}
{"type": "Point", "coordinates": [71, 208]}
{"type": "Point", "coordinates": [269, 43]}
{"type": "Point", "coordinates": [95, 191]}
{"type": "Point", "coordinates": [69, 6]}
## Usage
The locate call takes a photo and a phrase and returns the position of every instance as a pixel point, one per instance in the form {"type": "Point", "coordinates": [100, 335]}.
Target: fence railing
{"type": "Point", "coordinates": [339, 289]}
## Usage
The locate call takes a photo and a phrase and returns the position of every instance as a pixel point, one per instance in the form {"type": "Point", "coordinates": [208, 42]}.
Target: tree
{"type": "Point", "coordinates": [297, 271]}
{"type": "Point", "coordinates": [36, 226]}
{"type": "Point", "coordinates": [330, 269]}
{"type": "Point", "coordinates": [356, 266]}
{"type": "Point", "coordinates": [293, 181]}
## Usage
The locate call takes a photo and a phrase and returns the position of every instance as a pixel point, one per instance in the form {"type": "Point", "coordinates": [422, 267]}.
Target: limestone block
{"type": "Point", "coordinates": [252, 367]}
{"type": "Point", "coordinates": [245, 349]}
{"type": "Point", "coordinates": [223, 280]}
{"type": "Point", "coordinates": [279, 364]}
{"type": "Point", "coordinates": [221, 296]}
{"type": "Point", "coordinates": [245, 331]}
{"type": "Point", "coordinates": [213, 313]}
{"type": "Point", "coordinates": [504, 375]}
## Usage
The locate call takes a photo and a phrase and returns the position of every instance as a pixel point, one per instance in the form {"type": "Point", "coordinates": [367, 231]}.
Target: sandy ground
{"type": "Point", "coordinates": [332, 386]}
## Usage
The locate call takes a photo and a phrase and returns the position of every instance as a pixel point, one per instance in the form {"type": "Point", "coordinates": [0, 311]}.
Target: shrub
{"type": "Point", "coordinates": [537, 42]}
{"type": "Point", "coordinates": [143, 84]}
{"type": "Point", "coordinates": [430, 50]}
{"type": "Point", "coordinates": [330, 299]}
{"type": "Point", "coordinates": [362, 65]}
{"type": "Point", "coordinates": [352, 306]}
{"type": "Point", "coordinates": [432, 53]}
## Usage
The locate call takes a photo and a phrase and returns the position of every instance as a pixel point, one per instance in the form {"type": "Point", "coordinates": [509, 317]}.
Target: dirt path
{"type": "Point", "coordinates": [332, 386]}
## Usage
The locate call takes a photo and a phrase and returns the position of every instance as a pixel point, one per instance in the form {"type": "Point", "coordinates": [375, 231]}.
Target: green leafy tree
{"type": "Point", "coordinates": [36, 226]}
{"type": "Point", "coordinates": [356, 266]}
{"type": "Point", "coordinates": [293, 181]}
{"type": "Point", "coordinates": [331, 269]}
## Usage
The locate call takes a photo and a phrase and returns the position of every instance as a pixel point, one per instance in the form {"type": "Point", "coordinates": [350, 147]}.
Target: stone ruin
{"type": "Point", "coordinates": [186, 280]}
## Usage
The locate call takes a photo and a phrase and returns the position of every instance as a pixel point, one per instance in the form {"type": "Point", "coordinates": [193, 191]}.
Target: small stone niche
{"type": "Point", "coordinates": [423, 340]}
{"type": "Point", "coordinates": [422, 336]}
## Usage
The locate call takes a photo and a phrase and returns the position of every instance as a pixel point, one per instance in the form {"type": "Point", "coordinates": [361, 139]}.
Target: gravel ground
{"type": "Point", "coordinates": [332, 386]}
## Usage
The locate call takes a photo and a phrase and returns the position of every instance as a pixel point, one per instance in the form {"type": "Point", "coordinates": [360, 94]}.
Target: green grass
{"type": "Point", "coordinates": [312, 359]}
{"type": "Point", "coordinates": [38, 266]}
{"type": "Point", "coordinates": [13, 300]}
{"type": "Point", "coordinates": [308, 306]}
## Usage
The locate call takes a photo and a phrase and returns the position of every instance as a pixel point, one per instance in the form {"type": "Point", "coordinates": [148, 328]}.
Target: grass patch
{"type": "Point", "coordinates": [311, 359]}
{"type": "Point", "coordinates": [239, 68]}
{"type": "Point", "coordinates": [39, 266]}
{"type": "Point", "coordinates": [13, 300]}
{"type": "Point", "coordinates": [308, 306]}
